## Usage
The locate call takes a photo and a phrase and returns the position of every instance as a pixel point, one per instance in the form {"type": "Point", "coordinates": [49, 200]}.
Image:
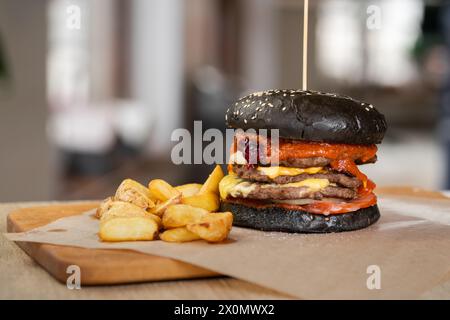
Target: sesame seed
{"type": "Point", "coordinates": [245, 121]}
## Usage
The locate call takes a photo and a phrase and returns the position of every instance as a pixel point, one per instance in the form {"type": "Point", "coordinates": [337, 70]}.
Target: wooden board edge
{"type": "Point", "coordinates": [48, 257]}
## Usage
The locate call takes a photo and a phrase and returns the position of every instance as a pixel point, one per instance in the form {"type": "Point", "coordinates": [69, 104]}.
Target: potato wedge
{"type": "Point", "coordinates": [212, 183]}
{"type": "Point", "coordinates": [180, 215]}
{"type": "Point", "coordinates": [189, 189]}
{"type": "Point", "coordinates": [178, 235]}
{"type": "Point", "coordinates": [120, 209]}
{"type": "Point", "coordinates": [208, 201]}
{"type": "Point", "coordinates": [156, 219]}
{"type": "Point", "coordinates": [104, 206]}
{"type": "Point", "coordinates": [161, 207]}
{"type": "Point", "coordinates": [128, 229]}
{"type": "Point", "coordinates": [214, 227]}
{"type": "Point", "coordinates": [123, 209]}
{"type": "Point", "coordinates": [162, 190]}
{"type": "Point", "coordinates": [135, 193]}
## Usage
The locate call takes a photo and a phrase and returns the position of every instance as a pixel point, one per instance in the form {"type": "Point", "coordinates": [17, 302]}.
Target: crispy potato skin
{"type": "Point", "coordinates": [180, 215]}
{"type": "Point", "coordinates": [160, 208]}
{"type": "Point", "coordinates": [128, 229]}
{"type": "Point", "coordinates": [213, 227]}
{"type": "Point", "coordinates": [155, 218]}
{"type": "Point", "coordinates": [135, 193]}
{"type": "Point", "coordinates": [208, 201]}
{"type": "Point", "coordinates": [189, 189]}
{"type": "Point", "coordinates": [117, 209]}
{"type": "Point", "coordinates": [178, 235]}
{"type": "Point", "coordinates": [162, 190]}
{"type": "Point", "coordinates": [123, 209]}
{"type": "Point", "coordinates": [105, 205]}
{"type": "Point", "coordinates": [212, 183]}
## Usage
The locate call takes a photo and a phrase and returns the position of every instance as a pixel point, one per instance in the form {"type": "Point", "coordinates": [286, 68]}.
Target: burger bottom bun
{"type": "Point", "coordinates": [298, 221]}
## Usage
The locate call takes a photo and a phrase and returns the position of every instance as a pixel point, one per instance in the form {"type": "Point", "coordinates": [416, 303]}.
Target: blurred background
{"type": "Point", "coordinates": [90, 91]}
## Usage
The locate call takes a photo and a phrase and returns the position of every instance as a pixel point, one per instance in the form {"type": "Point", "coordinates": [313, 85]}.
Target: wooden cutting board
{"type": "Point", "coordinates": [99, 267]}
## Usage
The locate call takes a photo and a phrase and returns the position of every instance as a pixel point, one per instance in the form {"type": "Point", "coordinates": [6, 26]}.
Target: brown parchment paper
{"type": "Point", "coordinates": [410, 244]}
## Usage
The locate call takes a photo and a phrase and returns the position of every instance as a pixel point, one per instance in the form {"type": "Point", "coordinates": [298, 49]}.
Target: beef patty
{"type": "Point", "coordinates": [254, 175]}
{"type": "Point", "coordinates": [314, 162]}
{"type": "Point", "coordinates": [265, 192]}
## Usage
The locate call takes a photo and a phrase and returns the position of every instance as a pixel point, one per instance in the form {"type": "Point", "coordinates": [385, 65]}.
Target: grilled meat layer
{"type": "Point", "coordinates": [254, 174]}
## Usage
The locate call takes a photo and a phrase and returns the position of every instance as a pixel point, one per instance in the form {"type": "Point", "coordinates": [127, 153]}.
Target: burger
{"type": "Point", "coordinates": [309, 180]}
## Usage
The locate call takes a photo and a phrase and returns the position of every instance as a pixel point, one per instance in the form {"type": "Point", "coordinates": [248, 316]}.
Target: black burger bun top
{"type": "Point", "coordinates": [309, 116]}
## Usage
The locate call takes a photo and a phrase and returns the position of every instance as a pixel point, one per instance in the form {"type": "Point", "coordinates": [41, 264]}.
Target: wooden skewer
{"type": "Point", "coordinates": [305, 45]}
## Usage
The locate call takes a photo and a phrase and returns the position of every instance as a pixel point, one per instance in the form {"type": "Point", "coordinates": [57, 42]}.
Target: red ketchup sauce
{"type": "Point", "coordinates": [289, 149]}
{"type": "Point", "coordinates": [343, 158]}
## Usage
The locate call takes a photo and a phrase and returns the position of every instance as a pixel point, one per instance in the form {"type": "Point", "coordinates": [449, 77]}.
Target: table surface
{"type": "Point", "coordinates": [22, 278]}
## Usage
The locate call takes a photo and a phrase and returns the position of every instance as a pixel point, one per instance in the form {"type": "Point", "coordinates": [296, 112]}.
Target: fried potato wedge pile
{"type": "Point", "coordinates": [160, 211]}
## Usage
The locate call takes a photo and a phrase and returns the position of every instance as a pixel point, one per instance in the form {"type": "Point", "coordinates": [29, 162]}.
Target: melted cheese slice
{"type": "Point", "coordinates": [273, 172]}
{"type": "Point", "coordinates": [234, 186]}
{"type": "Point", "coordinates": [313, 184]}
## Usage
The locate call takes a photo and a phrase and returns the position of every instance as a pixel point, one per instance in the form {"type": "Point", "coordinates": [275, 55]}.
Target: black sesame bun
{"type": "Point", "coordinates": [309, 116]}
{"type": "Point", "coordinates": [280, 219]}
